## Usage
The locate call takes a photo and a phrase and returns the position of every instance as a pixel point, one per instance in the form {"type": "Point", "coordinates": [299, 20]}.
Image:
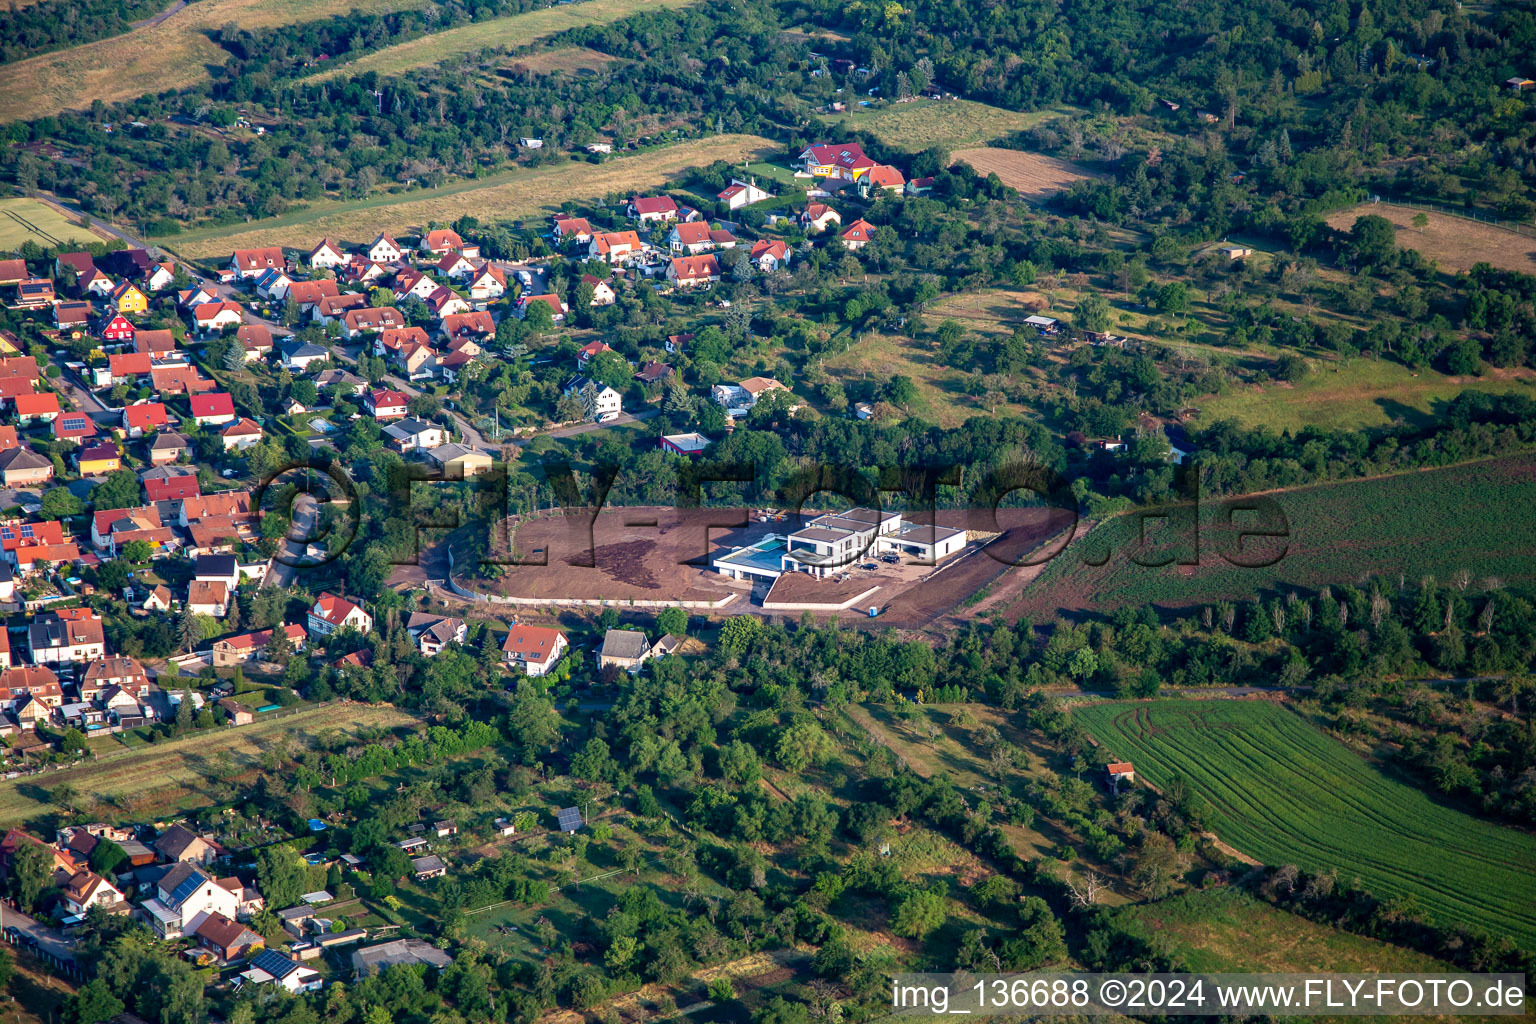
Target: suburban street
{"type": "Point", "coordinates": [306, 513]}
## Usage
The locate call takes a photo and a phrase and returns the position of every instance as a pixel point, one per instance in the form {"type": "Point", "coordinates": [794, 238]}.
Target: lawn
{"type": "Point", "coordinates": [522, 192]}
{"type": "Point", "coordinates": [499, 34]}
{"type": "Point", "coordinates": [170, 773]}
{"type": "Point", "coordinates": [1477, 516]}
{"type": "Point", "coordinates": [1361, 394]}
{"type": "Point", "coordinates": [948, 124]}
{"type": "Point", "coordinates": [1284, 792]}
{"type": "Point", "coordinates": [23, 220]}
{"type": "Point", "coordinates": [175, 54]}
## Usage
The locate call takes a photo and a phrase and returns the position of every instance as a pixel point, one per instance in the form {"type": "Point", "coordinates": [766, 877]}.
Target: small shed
{"type": "Point", "coordinates": [1121, 770]}
{"type": "Point", "coordinates": [430, 866]}
{"type": "Point", "coordinates": [503, 827]}
{"type": "Point", "coordinates": [569, 819]}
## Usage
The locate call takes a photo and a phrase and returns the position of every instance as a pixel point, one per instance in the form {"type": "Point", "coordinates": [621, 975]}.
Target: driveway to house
{"type": "Point", "coordinates": [587, 428]}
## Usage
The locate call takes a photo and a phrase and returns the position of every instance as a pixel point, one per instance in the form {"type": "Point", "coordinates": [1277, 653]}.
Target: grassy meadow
{"type": "Point", "coordinates": [518, 193]}
{"type": "Point", "coordinates": [24, 220]}
{"type": "Point", "coordinates": [1357, 395]}
{"type": "Point", "coordinates": [1282, 791]}
{"type": "Point", "coordinates": [497, 34]}
{"type": "Point", "coordinates": [170, 774]}
{"type": "Point", "coordinates": [174, 54]}
{"type": "Point", "coordinates": [949, 124]}
{"type": "Point", "coordinates": [1454, 243]}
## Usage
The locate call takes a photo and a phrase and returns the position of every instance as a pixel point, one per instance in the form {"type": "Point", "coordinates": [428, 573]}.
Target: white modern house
{"type": "Point", "coordinates": [829, 544]}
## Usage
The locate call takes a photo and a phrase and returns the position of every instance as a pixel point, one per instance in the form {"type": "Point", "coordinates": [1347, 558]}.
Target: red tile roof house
{"type": "Point", "coordinates": [72, 426]}
{"type": "Point", "coordinates": [487, 283]}
{"type": "Point", "coordinates": [216, 408]}
{"type": "Point", "coordinates": [590, 351]}
{"type": "Point", "coordinates": [536, 648]}
{"type": "Point", "coordinates": [167, 484]}
{"type": "Point", "coordinates": [846, 162]}
{"type": "Point", "coordinates": [742, 193]}
{"type": "Point", "coordinates": [441, 240]}
{"type": "Point", "coordinates": [144, 418]}
{"type": "Point", "coordinates": [690, 271]}
{"type": "Point", "coordinates": [369, 320]}
{"type": "Point", "coordinates": [652, 208]}
{"type": "Point", "coordinates": [858, 234]}
{"type": "Point", "coordinates": [769, 254]}
{"type": "Point", "coordinates": [392, 341]}
{"type": "Point", "coordinates": [216, 316]}
{"type": "Point", "coordinates": [331, 613]}
{"type": "Point", "coordinates": [240, 435]}
{"type": "Point", "coordinates": [572, 229]}
{"type": "Point", "coordinates": [227, 939]}
{"type": "Point", "coordinates": [477, 324]}
{"type": "Point", "coordinates": [385, 404]}
{"type": "Point", "coordinates": [557, 308]}
{"type": "Point", "coordinates": [127, 367]}
{"type": "Point", "coordinates": [40, 408]}
{"type": "Point", "coordinates": [456, 265]}
{"type": "Point", "coordinates": [697, 236]}
{"type": "Point", "coordinates": [249, 263]}
{"type": "Point", "coordinates": [179, 380]}
{"type": "Point", "coordinates": [237, 650]}
{"type": "Point", "coordinates": [19, 368]}
{"type": "Point", "coordinates": [308, 293]}
{"type": "Point", "coordinates": [614, 246]}
{"type": "Point", "coordinates": [256, 339]}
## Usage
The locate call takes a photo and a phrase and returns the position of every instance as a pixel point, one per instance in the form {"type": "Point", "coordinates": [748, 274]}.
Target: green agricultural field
{"type": "Point", "coordinates": [950, 124]}
{"type": "Point", "coordinates": [1479, 516]}
{"type": "Point", "coordinates": [1284, 792]}
{"type": "Point", "coordinates": [1364, 393]}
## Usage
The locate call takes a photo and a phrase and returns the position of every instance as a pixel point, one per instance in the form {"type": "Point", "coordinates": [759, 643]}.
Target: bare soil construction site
{"type": "Point", "coordinates": [649, 556]}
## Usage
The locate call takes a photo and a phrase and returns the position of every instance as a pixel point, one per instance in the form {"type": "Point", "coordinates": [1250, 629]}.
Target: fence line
{"type": "Point", "coordinates": [1518, 227]}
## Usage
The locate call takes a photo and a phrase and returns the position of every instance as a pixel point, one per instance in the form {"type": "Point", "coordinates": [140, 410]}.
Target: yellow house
{"type": "Point", "coordinates": [126, 298]}
{"type": "Point", "coordinates": [100, 459]}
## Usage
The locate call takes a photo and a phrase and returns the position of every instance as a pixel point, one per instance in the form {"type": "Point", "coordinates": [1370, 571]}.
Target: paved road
{"type": "Point", "coordinates": [48, 940]}
{"type": "Point", "coordinates": [306, 513]}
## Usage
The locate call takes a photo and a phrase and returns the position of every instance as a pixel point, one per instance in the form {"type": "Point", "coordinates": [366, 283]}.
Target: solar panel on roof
{"type": "Point", "coordinates": [188, 886]}
{"type": "Point", "coordinates": [274, 964]}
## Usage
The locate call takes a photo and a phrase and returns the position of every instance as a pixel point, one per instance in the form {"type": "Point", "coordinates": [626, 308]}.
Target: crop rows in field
{"type": "Point", "coordinates": [1478, 517]}
{"type": "Point", "coordinates": [1285, 792]}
